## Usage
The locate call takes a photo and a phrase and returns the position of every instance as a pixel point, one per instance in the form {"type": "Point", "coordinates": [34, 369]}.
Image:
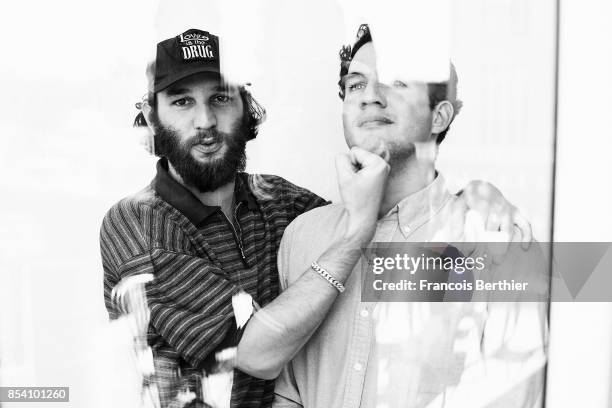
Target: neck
{"type": "Point", "coordinates": [406, 179]}
{"type": "Point", "coordinates": [222, 197]}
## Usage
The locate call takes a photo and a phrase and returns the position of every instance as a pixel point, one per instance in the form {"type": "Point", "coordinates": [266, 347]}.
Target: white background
{"type": "Point", "coordinates": [70, 75]}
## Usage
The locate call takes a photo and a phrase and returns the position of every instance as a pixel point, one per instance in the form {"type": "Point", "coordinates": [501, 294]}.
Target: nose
{"type": "Point", "coordinates": [205, 118]}
{"type": "Point", "coordinates": [374, 93]}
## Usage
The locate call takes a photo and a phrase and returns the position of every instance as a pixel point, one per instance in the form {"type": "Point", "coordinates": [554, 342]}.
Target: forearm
{"type": "Point", "coordinates": [276, 333]}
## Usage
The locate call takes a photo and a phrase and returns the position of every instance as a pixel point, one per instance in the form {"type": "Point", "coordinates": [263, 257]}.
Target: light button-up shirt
{"type": "Point", "coordinates": [403, 354]}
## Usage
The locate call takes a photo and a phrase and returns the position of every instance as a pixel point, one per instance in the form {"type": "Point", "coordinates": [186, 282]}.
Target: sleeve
{"type": "Point", "coordinates": [191, 306]}
{"type": "Point", "coordinates": [190, 300]}
{"type": "Point", "coordinates": [286, 394]}
{"type": "Point", "coordinates": [123, 250]}
{"type": "Point", "coordinates": [284, 256]}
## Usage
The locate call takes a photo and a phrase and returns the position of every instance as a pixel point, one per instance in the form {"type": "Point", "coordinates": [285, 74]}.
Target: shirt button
{"type": "Point", "coordinates": [364, 313]}
{"type": "Point", "coordinates": [406, 229]}
{"type": "Point", "coordinates": [357, 367]}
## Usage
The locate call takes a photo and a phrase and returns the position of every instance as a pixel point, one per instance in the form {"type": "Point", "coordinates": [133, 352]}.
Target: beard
{"type": "Point", "coordinates": [215, 173]}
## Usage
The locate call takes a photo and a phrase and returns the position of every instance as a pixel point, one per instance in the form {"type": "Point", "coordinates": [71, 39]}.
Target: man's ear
{"type": "Point", "coordinates": [147, 111]}
{"type": "Point", "coordinates": [442, 117]}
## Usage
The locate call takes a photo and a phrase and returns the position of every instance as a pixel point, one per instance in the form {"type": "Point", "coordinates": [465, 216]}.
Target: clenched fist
{"type": "Point", "coordinates": [362, 178]}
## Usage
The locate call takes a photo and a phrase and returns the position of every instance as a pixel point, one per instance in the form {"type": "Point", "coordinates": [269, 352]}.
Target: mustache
{"type": "Point", "coordinates": [206, 136]}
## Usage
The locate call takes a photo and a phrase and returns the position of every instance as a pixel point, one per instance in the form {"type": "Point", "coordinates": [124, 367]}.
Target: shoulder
{"type": "Point", "coordinates": [274, 190]}
{"type": "Point", "coordinates": [280, 185]}
{"type": "Point", "coordinates": [129, 219]}
{"type": "Point", "coordinates": [129, 207]}
{"type": "Point", "coordinates": [122, 233]}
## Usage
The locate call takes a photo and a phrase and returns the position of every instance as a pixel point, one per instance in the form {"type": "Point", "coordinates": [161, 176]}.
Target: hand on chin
{"type": "Point", "coordinates": [379, 148]}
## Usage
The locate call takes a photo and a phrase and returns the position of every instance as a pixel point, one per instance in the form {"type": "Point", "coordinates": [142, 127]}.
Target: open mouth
{"type": "Point", "coordinates": [208, 146]}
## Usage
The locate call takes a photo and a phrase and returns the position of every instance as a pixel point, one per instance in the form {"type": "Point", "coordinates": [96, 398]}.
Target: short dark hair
{"type": "Point", "coordinates": [255, 113]}
{"type": "Point", "coordinates": [436, 91]}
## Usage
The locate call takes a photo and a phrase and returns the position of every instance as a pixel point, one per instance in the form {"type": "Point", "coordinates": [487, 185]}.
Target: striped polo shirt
{"type": "Point", "coordinates": [199, 259]}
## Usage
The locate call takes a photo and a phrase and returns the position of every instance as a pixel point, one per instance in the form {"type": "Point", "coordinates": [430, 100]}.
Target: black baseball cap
{"type": "Point", "coordinates": [188, 53]}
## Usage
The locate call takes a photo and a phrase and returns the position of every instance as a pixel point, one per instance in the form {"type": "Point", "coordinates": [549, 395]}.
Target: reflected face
{"type": "Point", "coordinates": [386, 119]}
{"type": "Point", "coordinates": [200, 128]}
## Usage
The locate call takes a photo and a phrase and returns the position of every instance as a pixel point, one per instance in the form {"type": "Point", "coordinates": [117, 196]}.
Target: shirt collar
{"type": "Point", "coordinates": [183, 200]}
{"type": "Point", "coordinates": [243, 193]}
{"type": "Point", "coordinates": [418, 208]}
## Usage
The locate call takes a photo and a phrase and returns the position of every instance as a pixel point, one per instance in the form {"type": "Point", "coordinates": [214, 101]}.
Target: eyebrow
{"type": "Point", "coordinates": [222, 88]}
{"type": "Point", "coordinates": [354, 74]}
{"type": "Point", "coordinates": [350, 75]}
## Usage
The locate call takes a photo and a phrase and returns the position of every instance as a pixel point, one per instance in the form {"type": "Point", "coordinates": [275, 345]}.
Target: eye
{"type": "Point", "coordinates": [355, 86]}
{"type": "Point", "coordinates": [182, 102]}
{"type": "Point", "coordinates": [221, 99]}
{"type": "Point", "coordinates": [400, 84]}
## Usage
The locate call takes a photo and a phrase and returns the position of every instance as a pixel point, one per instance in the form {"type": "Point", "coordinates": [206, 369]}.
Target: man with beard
{"type": "Point", "coordinates": [209, 232]}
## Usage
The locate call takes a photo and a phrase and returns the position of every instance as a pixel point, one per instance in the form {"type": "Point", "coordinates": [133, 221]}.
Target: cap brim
{"type": "Point", "coordinates": [171, 79]}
